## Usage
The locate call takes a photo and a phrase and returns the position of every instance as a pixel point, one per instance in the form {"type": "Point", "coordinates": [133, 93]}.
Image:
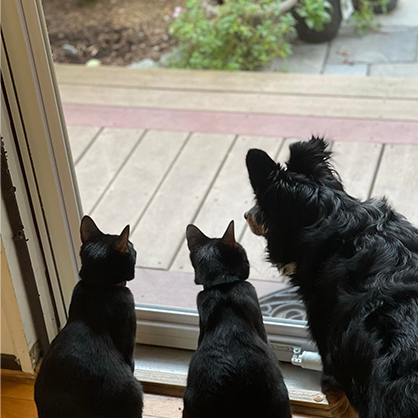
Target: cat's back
{"type": "Point", "coordinates": [89, 378]}
{"type": "Point", "coordinates": [241, 373]}
{"type": "Point", "coordinates": [88, 374]}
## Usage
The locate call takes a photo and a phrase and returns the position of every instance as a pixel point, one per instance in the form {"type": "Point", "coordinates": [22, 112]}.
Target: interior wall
{"type": "Point", "coordinates": [7, 345]}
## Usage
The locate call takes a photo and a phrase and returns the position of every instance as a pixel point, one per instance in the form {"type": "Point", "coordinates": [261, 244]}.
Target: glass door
{"type": "Point", "coordinates": [144, 147]}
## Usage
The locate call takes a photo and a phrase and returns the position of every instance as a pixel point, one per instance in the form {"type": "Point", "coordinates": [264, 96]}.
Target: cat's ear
{"type": "Point", "coordinates": [229, 236]}
{"type": "Point", "coordinates": [88, 229]}
{"type": "Point", "coordinates": [121, 244]}
{"type": "Point", "coordinates": [195, 237]}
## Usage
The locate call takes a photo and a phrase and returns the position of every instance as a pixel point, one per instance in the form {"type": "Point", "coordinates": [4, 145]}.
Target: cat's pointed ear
{"type": "Point", "coordinates": [121, 244]}
{"type": "Point", "coordinates": [88, 229]}
{"type": "Point", "coordinates": [229, 236]}
{"type": "Point", "coordinates": [195, 237]}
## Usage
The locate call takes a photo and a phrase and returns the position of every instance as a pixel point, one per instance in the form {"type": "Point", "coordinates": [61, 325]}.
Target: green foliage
{"type": "Point", "coordinates": [364, 20]}
{"type": "Point", "coordinates": [315, 13]}
{"type": "Point", "coordinates": [236, 38]}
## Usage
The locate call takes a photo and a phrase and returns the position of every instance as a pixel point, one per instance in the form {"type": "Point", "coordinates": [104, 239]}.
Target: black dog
{"type": "Point", "coordinates": [356, 267]}
{"type": "Point", "coordinates": [88, 370]}
{"type": "Point", "coordinates": [234, 373]}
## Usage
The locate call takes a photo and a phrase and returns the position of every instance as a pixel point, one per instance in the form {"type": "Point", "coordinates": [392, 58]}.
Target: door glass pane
{"type": "Point", "coordinates": [153, 166]}
{"type": "Point", "coordinates": [159, 149]}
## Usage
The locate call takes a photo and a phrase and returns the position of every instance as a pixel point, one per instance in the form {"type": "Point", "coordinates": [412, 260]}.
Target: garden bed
{"type": "Point", "coordinates": [116, 32]}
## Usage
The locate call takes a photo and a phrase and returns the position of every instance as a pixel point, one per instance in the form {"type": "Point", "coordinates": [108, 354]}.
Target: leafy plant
{"type": "Point", "coordinates": [240, 35]}
{"type": "Point", "coordinates": [316, 13]}
{"type": "Point", "coordinates": [364, 19]}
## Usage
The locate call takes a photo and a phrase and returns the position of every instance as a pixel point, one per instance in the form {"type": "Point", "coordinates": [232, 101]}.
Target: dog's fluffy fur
{"type": "Point", "coordinates": [357, 273]}
{"type": "Point", "coordinates": [233, 373]}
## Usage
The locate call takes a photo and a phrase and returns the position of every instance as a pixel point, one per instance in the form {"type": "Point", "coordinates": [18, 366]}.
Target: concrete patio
{"type": "Point", "coordinates": [391, 51]}
{"type": "Point", "coordinates": [160, 149]}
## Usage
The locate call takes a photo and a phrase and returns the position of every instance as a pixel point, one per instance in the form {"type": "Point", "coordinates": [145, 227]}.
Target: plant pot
{"type": "Point", "coordinates": [377, 8]}
{"type": "Point", "coordinates": [330, 29]}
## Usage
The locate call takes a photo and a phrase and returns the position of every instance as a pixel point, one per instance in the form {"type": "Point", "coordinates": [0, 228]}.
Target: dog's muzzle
{"type": "Point", "coordinates": [250, 217]}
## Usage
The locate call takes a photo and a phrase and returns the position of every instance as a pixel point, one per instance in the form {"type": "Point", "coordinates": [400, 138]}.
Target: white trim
{"type": "Point", "coordinates": [34, 247]}
{"type": "Point", "coordinates": [43, 145]}
{"type": "Point", "coordinates": [179, 328]}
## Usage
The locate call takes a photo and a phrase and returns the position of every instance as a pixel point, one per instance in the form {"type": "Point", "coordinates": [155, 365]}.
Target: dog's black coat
{"type": "Point", "coordinates": [88, 370]}
{"type": "Point", "coordinates": [233, 373]}
{"type": "Point", "coordinates": [357, 272]}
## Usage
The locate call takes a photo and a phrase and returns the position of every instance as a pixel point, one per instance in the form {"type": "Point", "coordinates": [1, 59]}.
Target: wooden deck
{"type": "Point", "coordinates": [183, 160]}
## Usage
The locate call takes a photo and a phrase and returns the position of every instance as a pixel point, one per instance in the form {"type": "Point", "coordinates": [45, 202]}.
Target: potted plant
{"type": "Point", "coordinates": [318, 20]}
{"type": "Point", "coordinates": [378, 6]}
{"type": "Point", "coordinates": [364, 17]}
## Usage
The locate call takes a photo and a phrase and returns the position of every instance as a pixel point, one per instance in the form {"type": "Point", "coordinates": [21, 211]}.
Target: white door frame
{"type": "Point", "coordinates": [30, 85]}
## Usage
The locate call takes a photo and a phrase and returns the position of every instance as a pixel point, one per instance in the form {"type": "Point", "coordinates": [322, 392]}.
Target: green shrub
{"type": "Point", "coordinates": [364, 20]}
{"type": "Point", "coordinates": [243, 35]}
{"type": "Point", "coordinates": [315, 13]}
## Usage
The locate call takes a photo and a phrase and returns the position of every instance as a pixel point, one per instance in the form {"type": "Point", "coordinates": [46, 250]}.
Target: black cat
{"type": "Point", "coordinates": [88, 370]}
{"type": "Point", "coordinates": [233, 373]}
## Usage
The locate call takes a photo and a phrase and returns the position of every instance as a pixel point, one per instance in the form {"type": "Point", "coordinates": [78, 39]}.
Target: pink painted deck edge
{"type": "Point", "coordinates": [338, 129]}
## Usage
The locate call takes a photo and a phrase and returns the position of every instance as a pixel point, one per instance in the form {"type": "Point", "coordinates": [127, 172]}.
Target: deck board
{"type": "Point", "coordinates": [230, 196]}
{"type": "Point", "coordinates": [397, 179]}
{"type": "Point", "coordinates": [168, 181]}
{"type": "Point", "coordinates": [128, 196]}
{"type": "Point", "coordinates": [80, 138]}
{"type": "Point", "coordinates": [162, 228]}
{"type": "Point", "coordinates": [250, 82]}
{"type": "Point", "coordinates": [357, 162]}
{"type": "Point", "coordinates": [101, 162]}
{"type": "Point", "coordinates": [348, 107]}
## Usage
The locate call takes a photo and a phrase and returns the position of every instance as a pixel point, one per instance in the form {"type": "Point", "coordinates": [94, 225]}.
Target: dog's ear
{"type": "Point", "coordinates": [229, 236]}
{"type": "Point", "coordinates": [88, 229]}
{"type": "Point", "coordinates": [312, 158]}
{"type": "Point", "coordinates": [259, 166]}
{"type": "Point", "coordinates": [195, 237]}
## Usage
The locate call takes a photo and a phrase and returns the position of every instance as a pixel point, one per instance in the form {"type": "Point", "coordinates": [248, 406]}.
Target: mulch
{"type": "Point", "coordinates": [116, 32]}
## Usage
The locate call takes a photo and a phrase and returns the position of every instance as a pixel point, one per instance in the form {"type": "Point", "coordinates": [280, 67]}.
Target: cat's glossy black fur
{"type": "Point", "coordinates": [88, 370]}
{"type": "Point", "coordinates": [233, 373]}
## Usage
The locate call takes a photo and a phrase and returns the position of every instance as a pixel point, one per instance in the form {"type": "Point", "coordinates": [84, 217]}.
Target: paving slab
{"type": "Point", "coordinates": [409, 70]}
{"type": "Point", "coordinates": [405, 14]}
{"type": "Point", "coordinates": [306, 59]}
{"type": "Point", "coordinates": [393, 44]}
{"type": "Point", "coordinates": [346, 69]}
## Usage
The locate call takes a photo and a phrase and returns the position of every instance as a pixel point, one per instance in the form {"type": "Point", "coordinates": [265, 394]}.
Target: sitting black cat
{"type": "Point", "coordinates": [233, 373]}
{"type": "Point", "coordinates": [88, 370]}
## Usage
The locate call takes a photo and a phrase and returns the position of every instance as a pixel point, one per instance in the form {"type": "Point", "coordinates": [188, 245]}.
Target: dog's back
{"type": "Point", "coordinates": [357, 273]}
